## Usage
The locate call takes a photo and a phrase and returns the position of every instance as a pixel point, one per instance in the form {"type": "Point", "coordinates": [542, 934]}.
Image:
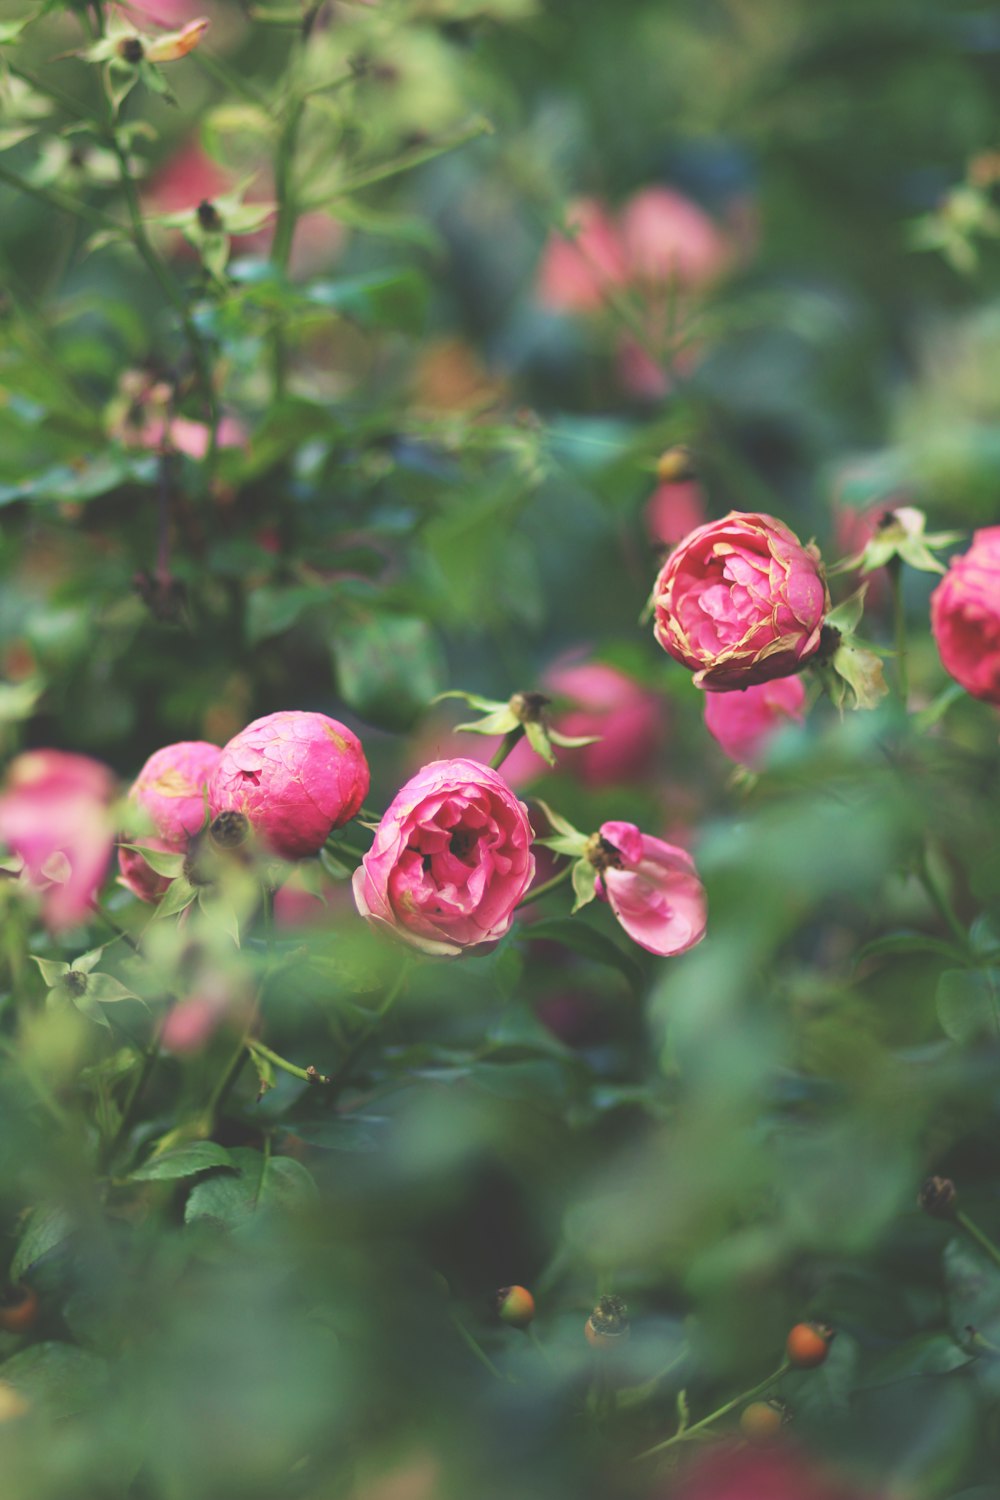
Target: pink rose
{"type": "Point", "coordinates": [965, 617]}
{"type": "Point", "coordinates": [670, 239]}
{"type": "Point", "coordinates": [744, 723]}
{"type": "Point", "coordinates": [628, 719]}
{"type": "Point", "coordinates": [451, 859]}
{"type": "Point", "coordinates": [295, 776]}
{"type": "Point", "coordinates": [740, 601]}
{"type": "Point", "coordinates": [731, 1472]}
{"type": "Point", "coordinates": [171, 789]}
{"type": "Point", "coordinates": [54, 814]}
{"type": "Point", "coordinates": [652, 888]}
{"type": "Point", "coordinates": [576, 273]}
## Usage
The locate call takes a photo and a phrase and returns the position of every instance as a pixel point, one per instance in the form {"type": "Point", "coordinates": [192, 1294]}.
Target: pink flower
{"type": "Point", "coordinates": [451, 859]}
{"type": "Point", "coordinates": [668, 238]}
{"type": "Point", "coordinates": [744, 723]}
{"type": "Point", "coordinates": [576, 273]}
{"type": "Point", "coordinates": [779, 1472]}
{"type": "Point", "coordinates": [627, 718]}
{"type": "Point", "coordinates": [54, 814]}
{"type": "Point", "coordinates": [673, 510]}
{"type": "Point", "coordinates": [171, 790]}
{"type": "Point", "coordinates": [295, 776]}
{"type": "Point", "coordinates": [965, 617]}
{"type": "Point", "coordinates": [740, 601]}
{"type": "Point", "coordinates": [652, 888]}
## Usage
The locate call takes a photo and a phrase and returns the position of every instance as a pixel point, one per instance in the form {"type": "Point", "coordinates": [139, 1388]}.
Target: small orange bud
{"type": "Point", "coordinates": [608, 1324]}
{"type": "Point", "coordinates": [516, 1305]}
{"type": "Point", "coordinates": [808, 1344]}
{"type": "Point", "coordinates": [763, 1420]}
{"type": "Point", "coordinates": [177, 44]}
{"type": "Point", "coordinates": [18, 1308]}
{"type": "Point", "coordinates": [675, 465]}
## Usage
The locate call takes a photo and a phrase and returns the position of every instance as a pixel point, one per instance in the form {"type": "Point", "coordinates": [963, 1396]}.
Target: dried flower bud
{"type": "Point", "coordinates": [529, 707]}
{"type": "Point", "coordinates": [608, 1324]}
{"type": "Point", "coordinates": [938, 1197]}
{"type": "Point", "coordinates": [131, 50]}
{"type": "Point", "coordinates": [209, 217]}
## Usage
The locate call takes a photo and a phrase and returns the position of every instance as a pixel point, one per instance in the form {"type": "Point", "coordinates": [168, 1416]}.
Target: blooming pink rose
{"type": "Point", "coordinates": [744, 723]}
{"type": "Point", "coordinates": [295, 776]}
{"type": "Point", "coordinates": [965, 617]}
{"type": "Point", "coordinates": [171, 789]}
{"type": "Point", "coordinates": [741, 601]}
{"type": "Point", "coordinates": [670, 239]}
{"type": "Point", "coordinates": [673, 510]}
{"type": "Point", "coordinates": [576, 273]}
{"type": "Point", "coordinates": [451, 859]}
{"type": "Point", "coordinates": [54, 814]}
{"type": "Point", "coordinates": [652, 888]}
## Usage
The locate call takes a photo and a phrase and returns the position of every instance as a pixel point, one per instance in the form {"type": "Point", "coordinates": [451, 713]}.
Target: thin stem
{"type": "Point", "coordinates": [282, 1062]}
{"type": "Point", "coordinates": [120, 932]}
{"type": "Point", "coordinates": [365, 1034]}
{"type": "Point", "coordinates": [537, 1344]}
{"type": "Point", "coordinates": [894, 568]}
{"type": "Point", "coordinates": [226, 1080]}
{"type": "Point", "coordinates": [549, 885]}
{"type": "Point", "coordinates": [480, 1353]}
{"type": "Point", "coordinates": [981, 1239]}
{"type": "Point", "coordinates": [150, 1056]}
{"type": "Point", "coordinates": [506, 745]}
{"type": "Point", "coordinates": [404, 163]}
{"type": "Point", "coordinates": [721, 1411]}
{"type": "Point", "coordinates": [940, 902]}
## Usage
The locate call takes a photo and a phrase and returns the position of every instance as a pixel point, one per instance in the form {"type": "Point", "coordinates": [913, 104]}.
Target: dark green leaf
{"type": "Point", "coordinates": [184, 1161]}
{"type": "Point", "coordinates": [389, 667]}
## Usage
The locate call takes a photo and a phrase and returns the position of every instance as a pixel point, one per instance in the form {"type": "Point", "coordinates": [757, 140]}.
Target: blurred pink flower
{"type": "Point", "coordinates": [673, 510]}
{"type": "Point", "coordinates": [730, 1472]}
{"type": "Point", "coordinates": [669, 239]}
{"type": "Point", "coordinates": [575, 273]}
{"type": "Point", "coordinates": [55, 814]}
{"type": "Point", "coordinates": [171, 789]}
{"type": "Point", "coordinates": [628, 719]}
{"type": "Point", "coordinates": [965, 617]}
{"type": "Point", "coordinates": [652, 888]}
{"type": "Point", "coordinates": [744, 723]}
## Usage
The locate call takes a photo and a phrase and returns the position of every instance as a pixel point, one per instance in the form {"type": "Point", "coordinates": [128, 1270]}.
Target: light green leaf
{"type": "Point", "coordinates": [107, 990]}
{"type": "Point", "coordinates": [584, 884]}
{"type": "Point", "coordinates": [52, 969]}
{"type": "Point", "coordinates": [183, 1161]}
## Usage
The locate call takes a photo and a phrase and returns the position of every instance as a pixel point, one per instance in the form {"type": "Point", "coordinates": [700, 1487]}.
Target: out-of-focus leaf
{"type": "Point", "coordinates": [84, 480]}
{"type": "Point", "coordinates": [587, 941]}
{"type": "Point", "coordinates": [57, 1379]}
{"type": "Point", "coordinates": [388, 666]}
{"type": "Point", "coordinates": [928, 1354]}
{"type": "Point", "coordinates": [45, 1231]}
{"type": "Point", "coordinates": [967, 1004]}
{"type": "Point", "coordinates": [379, 299]}
{"type": "Point", "coordinates": [185, 1161]}
{"type": "Point", "coordinates": [271, 610]}
{"type": "Point", "coordinates": [258, 1185]}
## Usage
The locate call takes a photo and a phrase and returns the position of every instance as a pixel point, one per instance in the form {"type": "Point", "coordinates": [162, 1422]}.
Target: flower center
{"type": "Point", "coordinates": [462, 843]}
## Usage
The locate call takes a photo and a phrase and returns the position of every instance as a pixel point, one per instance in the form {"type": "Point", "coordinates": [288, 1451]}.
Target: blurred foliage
{"type": "Point", "coordinates": [252, 1285]}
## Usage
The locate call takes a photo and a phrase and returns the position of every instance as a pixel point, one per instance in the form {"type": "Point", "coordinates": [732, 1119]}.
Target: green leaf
{"type": "Point", "coordinates": [45, 1231]}
{"type": "Point", "coordinates": [388, 666]}
{"type": "Point", "coordinates": [563, 826]}
{"type": "Point", "coordinates": [88, 961]}
{"type": "Point", "coordinates": [271, 610]}
{"type": "Point", "coordinates": [378, 299]}
{"type": "Point", "coordinates": [927, 1354]}
{"type": "Point", "coordinates": [183, 1161]}
{"type": "Point", "coordinates": [906, 943]}
{"type": "Point", "coordinates": [84, 480]}
{"type": "Point", "coordinates": [502, 721]}
{"type": "Point", "coordinates": [587, 941]}
{"type": "Point", "coordinates": [57, 1379]}
{"type": "Point", "coordinates": [179, 896]}
{"type": "Point", "coordinates": [259, 1186]}
{"type": "Point", "coordinates": [584, 884]}
{"type": "Point", "coordinates": [538, 739]}
{"type": "Point", "coordinates": [52, 969]}
{"type": "Point", "coordinates": [107, 989]}
{"type": "Point", "coordinates": [159, 860]}
{"type": "Point", "coordinates": [967, 1004]}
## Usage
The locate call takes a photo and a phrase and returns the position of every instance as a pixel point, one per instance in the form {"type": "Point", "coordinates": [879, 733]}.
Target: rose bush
{"type": "Point", "coordinates": [740, 601]}
{"type": "Point", "coordinates": [965, 617]}
{"type": "Point", "coordinates": [451, 859]}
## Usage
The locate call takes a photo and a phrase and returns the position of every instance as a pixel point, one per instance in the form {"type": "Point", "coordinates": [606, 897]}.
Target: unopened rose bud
{"type": "Point", "coordinates": [516, 1306]}
{"type": "Point", "coordinates": [608, 1324]}
{"type": "Point", "coordinates": [938, 1197]}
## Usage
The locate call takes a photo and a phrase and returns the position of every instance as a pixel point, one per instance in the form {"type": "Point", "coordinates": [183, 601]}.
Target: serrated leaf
{"type": "Point", "coordinates": [45, 1231]}
{"type": "Point", "coordinates": [56, 1379]}
{"type": "Point", "coordinates": [259, 1185]}
{"type": "Point", "coordinates": [184, 1161]}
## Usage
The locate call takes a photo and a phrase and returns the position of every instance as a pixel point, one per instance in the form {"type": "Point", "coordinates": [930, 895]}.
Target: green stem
{"type": "Point", "coordinates": [537, 1344]}
{"type": "Point", "coordinates": [282, 1062]}
{"type": "Point", "coordinates": [226, 1081]}
{"type": "Point", "coordinates": [120, 932]}
{"type": "Point", "coordinates": [894, 568]}
{"type": "Point", "coordinates": [721, 1411]}
{"type": "Point", "coordinates": [940, 902]}
{"type": "Point", "coordinates": [982, 1240]}
{"type": "Point", "coordinates": [480, 1353]}
{"type": "Point", "coordinates": [362, 1038]}
{"type": "Point", "coordinates": [128, 1112]}
{"type": "Point", "coordinates": [506, 745]}
{"type": "Point", "coordinates": [548, 885]}
{"type": "Point", "coordinates": [64, 202]}
{"type": "Point", "coordinates": [404, 163]}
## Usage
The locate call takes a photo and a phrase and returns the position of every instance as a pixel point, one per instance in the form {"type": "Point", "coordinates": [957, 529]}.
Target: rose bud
{"type": "Point", "coordinates": [741, 601]}
{"type": "Point", "coordinates": [54, 815]}
{"type": "Point", "coordinates": [744, 723]}
{"type": "Point", "coordinates": [295, 776]}
{"type": "Point", "coordinates": [652, 888]}
{"type": "Point", "coordinates": [669, 239]}
{"type": "Point", "coordinates": [576, 272]}
{"type": "Point", "coordinates": [450, 861]}
{"type": "Point", "coordinates": [965, 617]}
{"type": "Point", "coordinates": [808, 1345]}
{"type": "Point", "coordinates": [762, 1421]}
{"type": "Point", "coordinates": [171, 790]}
{"type": "Point", "coordinates": [516, 1306]}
